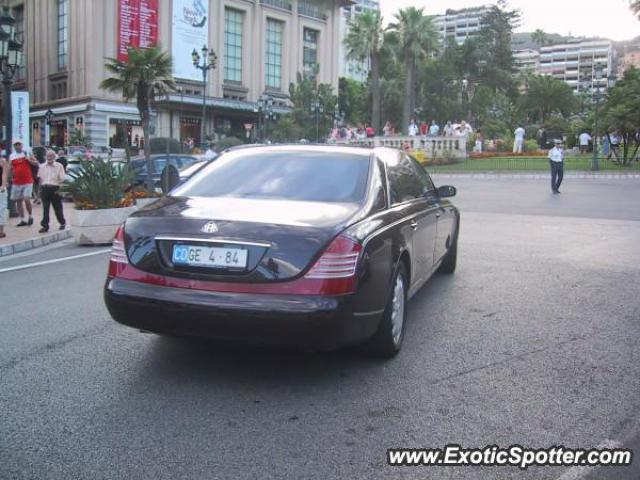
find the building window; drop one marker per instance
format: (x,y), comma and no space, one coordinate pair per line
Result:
(18,13)
(63,33)
(274,53)
(233,24)
(309,51)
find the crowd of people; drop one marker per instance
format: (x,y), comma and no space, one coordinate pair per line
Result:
(415,129)
(32,180)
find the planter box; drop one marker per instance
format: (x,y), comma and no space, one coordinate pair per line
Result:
(143,202)
(96,227)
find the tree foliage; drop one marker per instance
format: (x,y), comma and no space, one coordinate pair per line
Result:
(364,41)
(546,95)
(147,73)
(621,113)
(415,36)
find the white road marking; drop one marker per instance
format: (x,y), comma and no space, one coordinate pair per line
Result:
(55,260)
(576,473)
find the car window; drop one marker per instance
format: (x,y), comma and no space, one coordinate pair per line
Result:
(423,176)
(404,184)
(186,161)
(314,176)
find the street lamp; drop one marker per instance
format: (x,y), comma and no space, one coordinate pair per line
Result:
(206,62)
(265,113)
(47,126)
(10,61)
(317,107)
(597,95)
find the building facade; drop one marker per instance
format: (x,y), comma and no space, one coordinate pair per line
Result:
(577,62)
(261,46)
(630,58)
(460,24)
(349,67)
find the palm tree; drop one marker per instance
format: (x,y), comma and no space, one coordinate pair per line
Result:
(635,7)
(547,94)
(416,35)
(540,37)
(364,41)
(146,74)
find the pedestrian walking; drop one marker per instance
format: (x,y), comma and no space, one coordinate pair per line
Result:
(51,176)
(424,128)
(556,162)
(479,141)
(210,154)
(584,140)
(387,129)
(4,183)
(20,163)
(518,141)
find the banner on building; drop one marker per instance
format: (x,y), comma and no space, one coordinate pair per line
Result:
(20,117)
(137,25)
(189,30)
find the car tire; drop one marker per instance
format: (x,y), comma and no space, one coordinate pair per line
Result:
(448,265)
(387,341)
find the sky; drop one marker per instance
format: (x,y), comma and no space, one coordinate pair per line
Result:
(604,18)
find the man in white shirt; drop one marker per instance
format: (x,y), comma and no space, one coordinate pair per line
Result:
(518,141)
(51,175)
(210,154)
(413,129)
(556,158)
(584,140)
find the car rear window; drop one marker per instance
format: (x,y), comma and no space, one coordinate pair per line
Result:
(292,175)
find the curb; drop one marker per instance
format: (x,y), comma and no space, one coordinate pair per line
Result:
(32,243)
(495,175)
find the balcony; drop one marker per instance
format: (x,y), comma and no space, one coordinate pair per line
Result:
(282,4)
(309,10)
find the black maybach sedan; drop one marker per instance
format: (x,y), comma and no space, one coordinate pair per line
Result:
(314,247)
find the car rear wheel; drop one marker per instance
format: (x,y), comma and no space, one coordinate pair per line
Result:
(387,340)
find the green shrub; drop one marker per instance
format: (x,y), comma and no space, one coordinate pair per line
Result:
(164,145)
(99,184)
(228,142)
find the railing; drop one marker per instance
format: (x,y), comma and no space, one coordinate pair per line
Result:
(283,4)
(429,147)
(310,10)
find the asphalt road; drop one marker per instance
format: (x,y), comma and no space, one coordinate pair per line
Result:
(534,341)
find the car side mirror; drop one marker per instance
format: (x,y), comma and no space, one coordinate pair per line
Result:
(447,191)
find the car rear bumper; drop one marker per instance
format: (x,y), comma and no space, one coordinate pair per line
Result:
(308,322)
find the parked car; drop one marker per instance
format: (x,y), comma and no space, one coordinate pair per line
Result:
(160,161)
(315,247)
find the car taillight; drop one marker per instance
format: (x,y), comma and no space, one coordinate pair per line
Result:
(118,252)
(339,260)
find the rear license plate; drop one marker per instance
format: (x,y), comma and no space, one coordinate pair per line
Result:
(213,257)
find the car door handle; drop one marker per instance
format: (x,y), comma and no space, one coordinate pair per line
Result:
(414,224)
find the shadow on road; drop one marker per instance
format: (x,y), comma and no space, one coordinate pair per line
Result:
(213,361)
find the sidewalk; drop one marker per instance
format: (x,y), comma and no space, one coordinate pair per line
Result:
(20,239)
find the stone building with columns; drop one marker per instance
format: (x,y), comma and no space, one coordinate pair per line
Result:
(261,45)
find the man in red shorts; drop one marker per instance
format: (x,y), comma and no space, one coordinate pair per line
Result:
(22,183)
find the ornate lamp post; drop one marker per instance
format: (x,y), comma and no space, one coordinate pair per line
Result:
(266,112)
(317,107)
(48,117)
(10,61)
(206,62)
